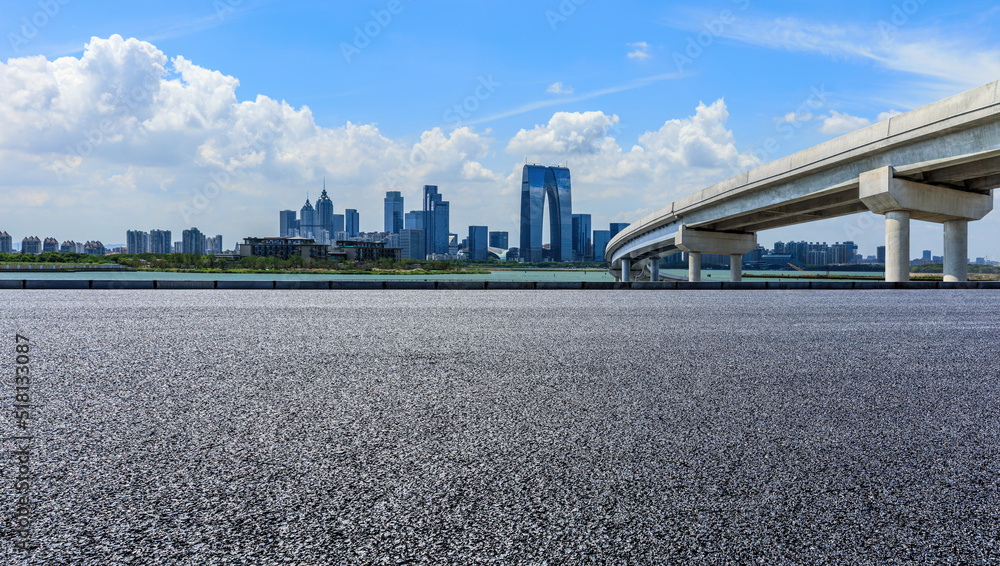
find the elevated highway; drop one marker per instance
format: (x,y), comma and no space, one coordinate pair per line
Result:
(939,163)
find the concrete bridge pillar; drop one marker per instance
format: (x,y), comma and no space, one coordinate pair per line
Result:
(626,270)
(694,266)
(697,242)
(956,250)
(897,245)
(736,267)
(901,200)
(654,269)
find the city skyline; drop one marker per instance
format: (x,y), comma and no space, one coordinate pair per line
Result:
(648,113)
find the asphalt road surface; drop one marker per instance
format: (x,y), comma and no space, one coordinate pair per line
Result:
(537,427)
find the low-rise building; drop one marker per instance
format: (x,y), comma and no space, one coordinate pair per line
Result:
(287,247)
(368,251)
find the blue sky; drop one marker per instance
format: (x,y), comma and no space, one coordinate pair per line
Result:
(219,113)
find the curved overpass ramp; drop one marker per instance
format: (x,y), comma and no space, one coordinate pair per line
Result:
(938,163)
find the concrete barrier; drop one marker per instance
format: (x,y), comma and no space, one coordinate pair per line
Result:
(958,285)
(699,285)
(560,285)
(788,285)
(744,285)
(56,284)
(131,284)
(486,285)
(255,285)
(397,285)
(303,285)
(654,285)
(870,285)
(184,285)
(831,285)
(510,285)
(461,285)
(915,285)
(357,285)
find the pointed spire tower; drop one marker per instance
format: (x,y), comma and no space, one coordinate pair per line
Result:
(324,213)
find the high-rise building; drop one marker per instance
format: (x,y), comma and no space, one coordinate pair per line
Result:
(159,241)
(539,182)
(137,242)
(927,255)
(337,223)
(352,223)
(499,240)
(412,243)
(307,221)
(193,242)
(393,212)
(31,245)
(179,247)
(50,245)
(581,237)
(478,242)
(414,220)
(6,243)
(880,254)
(289,226)
(213,245)
(94,248)
(324,213)
(601,239)
(617,227)
(67,247)
(436,219)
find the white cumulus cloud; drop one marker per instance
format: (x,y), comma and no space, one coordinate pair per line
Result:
(640,50)
(838,123)
(559,88)
(567,133)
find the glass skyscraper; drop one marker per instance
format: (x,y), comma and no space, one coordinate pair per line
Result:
(617,227)
(353,221)
(539,182)
(601,239)
(393,212)
(436,228)
(499,240)
(414,220)
(307,221)
(581,237)
(478,240)
(324,213)
(288,223)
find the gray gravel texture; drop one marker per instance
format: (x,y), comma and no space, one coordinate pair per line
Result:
(560,427)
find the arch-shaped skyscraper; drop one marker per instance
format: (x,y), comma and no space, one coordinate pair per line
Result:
(537,183)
